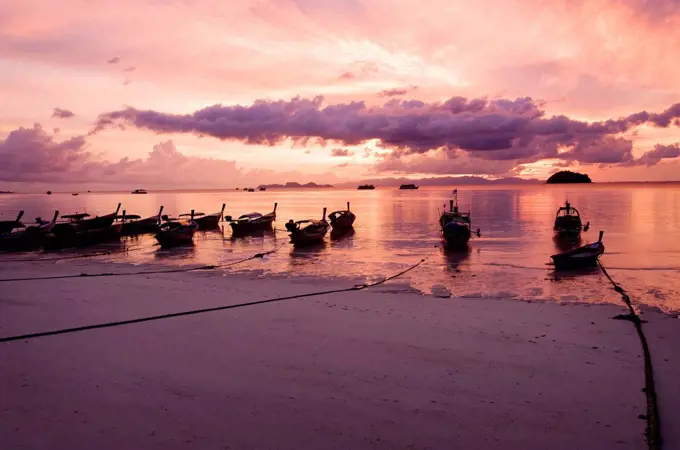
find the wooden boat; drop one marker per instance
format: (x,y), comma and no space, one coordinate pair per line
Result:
(247,223)
(139,191)
(342,219)
(308,232)
(364,187)
(134,224)
(262,188)
(456,226)
(408,186)
(206,222)
(568,223)
(74,193)
(28,238)
(251,190)
(6,226)
(79,231)
(585,256)
(174,233)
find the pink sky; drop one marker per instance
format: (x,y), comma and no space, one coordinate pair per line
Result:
(488,76)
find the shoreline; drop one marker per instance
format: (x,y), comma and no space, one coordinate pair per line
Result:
(384,367)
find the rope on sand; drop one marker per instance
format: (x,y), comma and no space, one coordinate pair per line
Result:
(358,287)
(144,272)
(85,255)
(653,431)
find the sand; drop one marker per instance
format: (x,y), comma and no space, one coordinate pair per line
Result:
(377,369)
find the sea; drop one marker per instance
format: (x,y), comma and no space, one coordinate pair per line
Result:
(395,229)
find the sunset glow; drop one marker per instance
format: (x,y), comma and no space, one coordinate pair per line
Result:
(336,90)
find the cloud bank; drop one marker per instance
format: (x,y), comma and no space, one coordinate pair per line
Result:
(516,130)
(37,156)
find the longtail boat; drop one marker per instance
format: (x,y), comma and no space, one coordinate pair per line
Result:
(308,232)
(28,238)
(456,226)
(568,223)
(206,221)
(174,233)
(253,221)
(7,226)
(79,231)
(82,223)
(585,256)
(134,224)
(342,220)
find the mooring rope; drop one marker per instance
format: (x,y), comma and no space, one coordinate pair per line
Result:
(653,431)
(85,255)
(357,287)
(145,272)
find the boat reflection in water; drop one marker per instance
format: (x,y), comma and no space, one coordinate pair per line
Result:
(454,259)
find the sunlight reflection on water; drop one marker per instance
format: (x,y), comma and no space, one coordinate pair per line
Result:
(394,229)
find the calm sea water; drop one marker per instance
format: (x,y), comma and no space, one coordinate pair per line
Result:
(394,229)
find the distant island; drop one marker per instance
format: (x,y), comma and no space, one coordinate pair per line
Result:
(567,176)
(6,192)
(293,185)
(442,181)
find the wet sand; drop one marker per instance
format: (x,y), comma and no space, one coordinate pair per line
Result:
(377,369)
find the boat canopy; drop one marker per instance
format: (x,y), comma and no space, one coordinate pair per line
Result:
(252,215)
(79,216)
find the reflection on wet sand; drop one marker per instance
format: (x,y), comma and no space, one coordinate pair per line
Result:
(454,258)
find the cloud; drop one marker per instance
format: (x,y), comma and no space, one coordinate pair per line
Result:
(114,60)
(36,156)
(397,91)
(659,152)
(498,129)
(129,69)
(62,113)
(341,152)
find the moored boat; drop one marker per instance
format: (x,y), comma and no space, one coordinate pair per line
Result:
(342,219)
(206,222)
(568,223)
(7,226)
(79,231)
(134,224)
(174,233)
(253,221)
(408,186)
(581,257)
(364,187)
(456,226)
(308,232)
(139,191)
(28,238)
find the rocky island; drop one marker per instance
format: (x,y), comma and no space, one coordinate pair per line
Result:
(567,176)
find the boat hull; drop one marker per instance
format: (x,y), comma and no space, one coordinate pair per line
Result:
(582,257)
(148,225)
(343,222)
(456,235)
(309,236)
(169,239)
(67,235)
(245,227)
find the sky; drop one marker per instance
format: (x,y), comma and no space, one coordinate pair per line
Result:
(161,93)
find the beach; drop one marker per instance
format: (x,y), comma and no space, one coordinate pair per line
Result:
(381,368)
